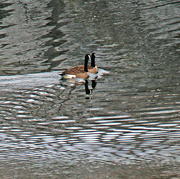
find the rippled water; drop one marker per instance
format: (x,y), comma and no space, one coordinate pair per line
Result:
(50,128)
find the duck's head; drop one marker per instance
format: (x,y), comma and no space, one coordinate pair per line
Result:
(87,57)
(93,55)
(93,59)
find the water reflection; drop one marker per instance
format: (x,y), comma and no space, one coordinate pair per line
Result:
(90,91)
(50,117)
(27,30)
(131,115)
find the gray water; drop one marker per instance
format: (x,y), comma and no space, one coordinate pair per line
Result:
(129,127)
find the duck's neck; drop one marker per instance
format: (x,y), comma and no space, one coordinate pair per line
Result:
(93,61)
(86,64)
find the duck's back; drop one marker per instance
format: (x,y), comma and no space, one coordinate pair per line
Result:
(75,70)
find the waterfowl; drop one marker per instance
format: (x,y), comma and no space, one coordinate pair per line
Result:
(77,71)
(93,68)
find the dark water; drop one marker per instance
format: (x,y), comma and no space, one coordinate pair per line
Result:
(129,127)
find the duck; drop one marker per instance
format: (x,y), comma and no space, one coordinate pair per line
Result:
(93,68)
(77,71)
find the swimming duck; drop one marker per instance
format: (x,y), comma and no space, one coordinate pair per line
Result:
(77,71)
(93,68)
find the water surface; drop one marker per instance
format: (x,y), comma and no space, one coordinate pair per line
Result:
(130,122)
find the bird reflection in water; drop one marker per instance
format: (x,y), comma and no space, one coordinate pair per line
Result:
(73,83)
(89,91)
